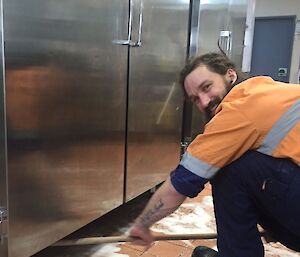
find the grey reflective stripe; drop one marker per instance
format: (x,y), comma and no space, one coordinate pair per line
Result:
(280,129)
(198,167)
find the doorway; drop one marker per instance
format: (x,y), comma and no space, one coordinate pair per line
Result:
(272,47)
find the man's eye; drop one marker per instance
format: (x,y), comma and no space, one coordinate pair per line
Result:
(206,87)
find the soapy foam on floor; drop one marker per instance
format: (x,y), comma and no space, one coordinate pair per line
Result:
(107,250)
(190,218)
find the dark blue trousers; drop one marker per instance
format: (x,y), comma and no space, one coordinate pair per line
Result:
(256,189)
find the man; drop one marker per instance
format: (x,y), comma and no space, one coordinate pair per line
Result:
(249,151)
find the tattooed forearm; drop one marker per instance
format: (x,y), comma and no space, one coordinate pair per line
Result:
(165,201)
(146,219)
(156,213)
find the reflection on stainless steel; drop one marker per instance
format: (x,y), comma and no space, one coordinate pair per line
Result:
(3,169)
(213,19)
(128,40)
(166,104)
(65,99)
(141,15)
(225,42)
(237,24)
(153,148)
(248,39)
(194,31)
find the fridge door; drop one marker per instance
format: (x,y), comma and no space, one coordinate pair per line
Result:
(223,21)
(213,22)
(237,25)
(155,98)
(65,99)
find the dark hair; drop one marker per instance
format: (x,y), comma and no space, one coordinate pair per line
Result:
(215,62)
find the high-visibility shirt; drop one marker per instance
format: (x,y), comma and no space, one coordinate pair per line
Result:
(258,114)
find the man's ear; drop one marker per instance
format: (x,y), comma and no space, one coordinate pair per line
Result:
(231,76)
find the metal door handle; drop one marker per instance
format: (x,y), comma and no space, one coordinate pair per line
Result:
(225,41)
(138,43)
(128,41)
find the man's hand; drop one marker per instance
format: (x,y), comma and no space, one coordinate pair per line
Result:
(142,236)
(164,201)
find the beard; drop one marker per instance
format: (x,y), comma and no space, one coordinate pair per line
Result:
(209,111)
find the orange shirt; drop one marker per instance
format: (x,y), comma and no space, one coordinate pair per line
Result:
(258,114)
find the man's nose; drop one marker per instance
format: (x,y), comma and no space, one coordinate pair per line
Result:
(204,101)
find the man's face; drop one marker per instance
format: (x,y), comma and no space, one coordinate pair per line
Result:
(206,89)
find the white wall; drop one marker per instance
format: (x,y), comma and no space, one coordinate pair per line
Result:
(266,8)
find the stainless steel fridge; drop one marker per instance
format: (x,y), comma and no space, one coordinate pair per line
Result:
(90,109)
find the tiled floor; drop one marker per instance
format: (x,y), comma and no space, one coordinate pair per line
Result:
(194,216)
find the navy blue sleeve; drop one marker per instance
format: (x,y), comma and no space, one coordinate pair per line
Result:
(186,182)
